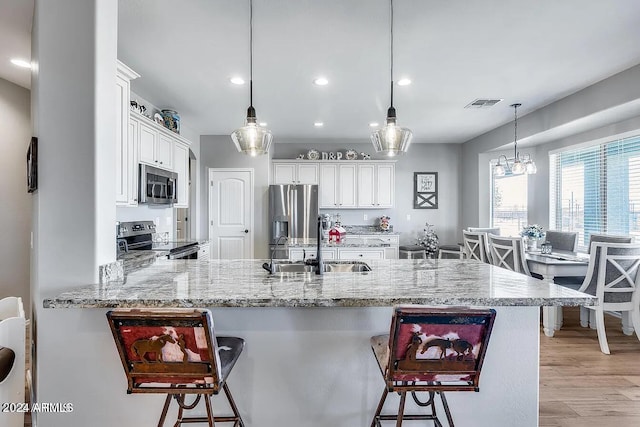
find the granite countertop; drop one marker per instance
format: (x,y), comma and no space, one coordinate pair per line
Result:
(243,283)
(369,229)
(348,243)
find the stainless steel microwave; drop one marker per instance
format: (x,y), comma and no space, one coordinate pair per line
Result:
(157,186)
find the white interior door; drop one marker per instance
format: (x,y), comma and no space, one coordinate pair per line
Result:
(231,213)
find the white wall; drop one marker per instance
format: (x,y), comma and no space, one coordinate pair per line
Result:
(73,99)
(608,107)
(441,158)
(15,213)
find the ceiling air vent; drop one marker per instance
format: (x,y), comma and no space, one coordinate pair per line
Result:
(483,103)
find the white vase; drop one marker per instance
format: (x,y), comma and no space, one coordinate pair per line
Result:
(532,244)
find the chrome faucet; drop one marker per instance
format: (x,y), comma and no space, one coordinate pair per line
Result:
(269,267)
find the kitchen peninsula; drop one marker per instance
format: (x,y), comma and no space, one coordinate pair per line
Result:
(307,360)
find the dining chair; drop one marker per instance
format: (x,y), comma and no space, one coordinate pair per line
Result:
(176,352)
(612,277)
(475,245)
(607,238)
(431,350)
(486,230)
(562,240)
(491,230)
(508,252)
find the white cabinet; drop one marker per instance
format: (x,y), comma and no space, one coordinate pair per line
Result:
(205,251)
(156,148)
(342,184)
(376,185)
(338,185)
(299,254)
(181,167)
(147,141)
(295,173)
(132,168)
(125,159)
(361,253)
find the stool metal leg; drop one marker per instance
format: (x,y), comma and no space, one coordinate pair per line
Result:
(376,417)
(234,408)
(163,416)
(403,398)
(446,409)
(207,403)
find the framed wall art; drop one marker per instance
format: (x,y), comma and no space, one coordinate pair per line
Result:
(425,190)
(32,165)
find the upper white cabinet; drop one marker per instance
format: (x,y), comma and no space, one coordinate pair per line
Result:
(125,157)
(156,148)
(376,183)
(140,140)
(338,185)
(295,173)
(181,167)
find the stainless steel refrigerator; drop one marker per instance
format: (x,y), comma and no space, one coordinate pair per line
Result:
(293,212)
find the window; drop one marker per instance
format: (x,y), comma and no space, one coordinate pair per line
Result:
(509,203)
(596,189)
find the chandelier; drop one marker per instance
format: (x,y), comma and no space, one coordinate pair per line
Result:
(252,139)
(391,139)
(517,165)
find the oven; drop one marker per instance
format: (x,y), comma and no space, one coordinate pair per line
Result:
(139,235)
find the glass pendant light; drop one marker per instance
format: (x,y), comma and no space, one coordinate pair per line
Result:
(517,165)
(252,139)
(391,140)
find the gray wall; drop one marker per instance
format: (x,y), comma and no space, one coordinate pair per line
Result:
(606,108)
(218,151)
(441,158)
(15,214)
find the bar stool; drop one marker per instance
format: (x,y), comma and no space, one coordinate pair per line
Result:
(451,251)
(431,350)
(175,352)
(412,251)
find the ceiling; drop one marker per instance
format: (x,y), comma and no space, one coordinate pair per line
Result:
(453,51)
(15,32)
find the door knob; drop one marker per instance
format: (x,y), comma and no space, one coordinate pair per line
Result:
(246,231)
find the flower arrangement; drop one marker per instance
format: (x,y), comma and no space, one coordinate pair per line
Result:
(429,240)
(534,231)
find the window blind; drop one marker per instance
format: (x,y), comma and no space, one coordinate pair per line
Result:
(596,189)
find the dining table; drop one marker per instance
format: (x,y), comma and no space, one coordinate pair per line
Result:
(550,266)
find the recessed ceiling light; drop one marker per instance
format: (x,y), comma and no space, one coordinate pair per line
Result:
(263,124)
(321,81)
(237,80)
(374,124)
(404,82)
(318,124)
(21,63)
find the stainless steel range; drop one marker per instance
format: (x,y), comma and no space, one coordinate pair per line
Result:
(138,235)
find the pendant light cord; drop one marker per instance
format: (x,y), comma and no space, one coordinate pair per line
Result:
(251,53)
(515,130)
(391,3)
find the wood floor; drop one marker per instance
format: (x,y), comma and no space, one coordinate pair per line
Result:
(580,386)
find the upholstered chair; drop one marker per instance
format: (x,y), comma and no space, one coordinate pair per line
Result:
(508,252)
(613,277)
(475,245)
(562,240)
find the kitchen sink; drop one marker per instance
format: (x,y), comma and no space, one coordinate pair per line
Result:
(329,267)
